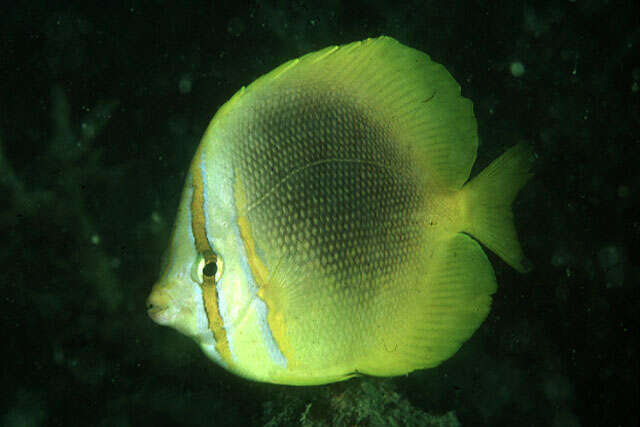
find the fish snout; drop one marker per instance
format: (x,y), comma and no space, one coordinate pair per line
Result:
(160,308)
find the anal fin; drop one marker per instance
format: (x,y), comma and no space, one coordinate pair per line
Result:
(449,304)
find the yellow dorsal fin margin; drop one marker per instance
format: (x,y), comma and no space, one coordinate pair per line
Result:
(416,98)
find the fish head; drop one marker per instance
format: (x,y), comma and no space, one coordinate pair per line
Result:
(176,297)
(206,290)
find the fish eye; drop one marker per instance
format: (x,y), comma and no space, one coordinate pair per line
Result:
(207,268)
(210,269)
(216,268)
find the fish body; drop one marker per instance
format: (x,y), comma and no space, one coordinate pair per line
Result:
(328,226)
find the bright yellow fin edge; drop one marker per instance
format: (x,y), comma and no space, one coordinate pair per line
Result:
(416,98)
(449,303)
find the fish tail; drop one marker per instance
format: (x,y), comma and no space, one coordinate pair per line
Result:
(486,204)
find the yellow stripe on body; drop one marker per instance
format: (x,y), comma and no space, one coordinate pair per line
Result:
(264,279)
(209,291)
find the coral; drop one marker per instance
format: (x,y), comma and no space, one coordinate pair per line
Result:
(362,402)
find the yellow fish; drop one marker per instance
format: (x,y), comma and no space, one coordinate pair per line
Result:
(327,228)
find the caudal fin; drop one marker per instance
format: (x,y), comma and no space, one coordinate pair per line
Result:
(486,202)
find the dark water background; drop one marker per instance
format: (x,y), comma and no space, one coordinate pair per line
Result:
(103,104)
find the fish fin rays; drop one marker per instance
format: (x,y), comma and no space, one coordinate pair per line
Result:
(486,204)
(417,99)
(453,300)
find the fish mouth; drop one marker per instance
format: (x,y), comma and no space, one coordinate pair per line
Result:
(173,304)
(159,308)
(158,314)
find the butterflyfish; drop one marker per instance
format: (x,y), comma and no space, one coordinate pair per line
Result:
(328,227)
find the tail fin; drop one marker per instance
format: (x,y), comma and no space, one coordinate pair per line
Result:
(486,201)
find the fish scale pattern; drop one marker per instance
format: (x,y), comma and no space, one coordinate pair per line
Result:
(325,186)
